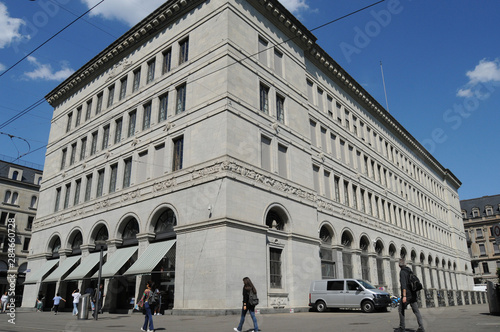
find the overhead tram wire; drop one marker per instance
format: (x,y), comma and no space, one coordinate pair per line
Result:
(195,79)
(52,37)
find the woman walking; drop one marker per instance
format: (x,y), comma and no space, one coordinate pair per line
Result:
(144,304)
(248,289)
(57,300)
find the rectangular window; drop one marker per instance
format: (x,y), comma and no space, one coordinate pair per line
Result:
(486,269)
(265,153)
(146,116)
(316,178)
(278,63)
(347,264)
(158,160)
(347,121)
(162,111)
(98,108)
(151,71)
(66,195)
(324,145)
(127,174)
(355,197)
(118,130)
(105,138)
(181,99)
(112,180)
(93,147)
(263,51)
(320,100)
(312,128)
(183,50)
(482,249)
(123,88)
(111,95)
(88,187)
(70,120)
(342,151)
(88,110)
(29,226)
(178,153)
(479,233)
(264,99)
(58,199)
(131,123)
(167,59)
(26,243)
(328,268)
(78,116)
(100,182)
(142,167)
(326,178)
(83,148)
(339,108)
(78,187)
(282,164)
(73,154)
(137,80)
(310,91)
(346,193)
(336,182)
(275,267)
(362,200)
(63,158)
(496,248)
(280,109)
(333,140)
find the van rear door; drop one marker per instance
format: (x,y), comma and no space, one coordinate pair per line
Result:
(335,293)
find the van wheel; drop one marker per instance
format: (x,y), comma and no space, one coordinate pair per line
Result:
(367,306)
(320,306)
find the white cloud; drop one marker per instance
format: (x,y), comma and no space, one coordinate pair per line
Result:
(132,11)
(9,27)
(45,71)
(295,6)
(128,11)
(485,72)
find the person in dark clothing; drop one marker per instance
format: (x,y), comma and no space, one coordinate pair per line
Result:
(407,297)
(247,288)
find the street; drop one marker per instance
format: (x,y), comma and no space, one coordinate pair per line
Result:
(462,318)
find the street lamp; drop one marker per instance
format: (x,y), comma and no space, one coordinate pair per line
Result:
(99,244)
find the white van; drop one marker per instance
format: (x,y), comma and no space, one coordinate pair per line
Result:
(347,293)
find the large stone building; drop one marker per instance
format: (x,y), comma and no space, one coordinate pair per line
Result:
(19,186)
(217,140)
(480,215)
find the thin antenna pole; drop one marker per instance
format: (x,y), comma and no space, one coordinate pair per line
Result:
(383,81)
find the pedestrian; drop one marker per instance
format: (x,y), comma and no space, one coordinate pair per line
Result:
(5,300)
(407,297)
(97,300)
(76,298)
(158,305)
(57,299)
(146,309)
(39,302)
(248,288)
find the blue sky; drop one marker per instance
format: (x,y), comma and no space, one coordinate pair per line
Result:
(441,63)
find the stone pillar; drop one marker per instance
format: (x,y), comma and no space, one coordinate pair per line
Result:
(388,275)
(356,263)
(143,239)
(372,261)
(109,300)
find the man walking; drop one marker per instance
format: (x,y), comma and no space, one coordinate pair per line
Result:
(407,297)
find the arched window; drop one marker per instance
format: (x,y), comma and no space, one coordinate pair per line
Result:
(326,254)
(54,248)
(15,174)
(33,202)
(7,196)
(364,245)
(76,243)
(346,240)
(164,227)
(276,219)
(379,247)
(129,234)
(15,195)
(102,234)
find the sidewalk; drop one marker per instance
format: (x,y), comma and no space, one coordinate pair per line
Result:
(457,319)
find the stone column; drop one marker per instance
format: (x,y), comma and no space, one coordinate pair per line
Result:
(143,239)
(109,300)
(388,275)
(356,263)
(372,262)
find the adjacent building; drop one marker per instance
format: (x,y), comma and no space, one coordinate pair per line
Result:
(480,215)
(217,140)
(19,187)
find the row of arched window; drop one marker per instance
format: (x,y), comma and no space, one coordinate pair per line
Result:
(13,198)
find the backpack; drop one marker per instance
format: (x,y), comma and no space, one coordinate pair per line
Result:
(253,300)
(415,284)
(153,298)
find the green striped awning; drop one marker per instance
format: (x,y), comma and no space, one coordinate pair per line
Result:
(115,262)
(150,258)
(63,268)
(87,264)
(37,275)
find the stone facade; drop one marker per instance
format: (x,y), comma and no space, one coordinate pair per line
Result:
(231,131)
(480,215)
(19,186)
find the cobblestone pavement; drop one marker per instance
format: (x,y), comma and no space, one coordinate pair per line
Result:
(474,318)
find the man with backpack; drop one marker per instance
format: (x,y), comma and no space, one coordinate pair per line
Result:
(409,289)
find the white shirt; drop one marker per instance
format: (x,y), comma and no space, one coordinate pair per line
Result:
(5,298)
(76,297)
